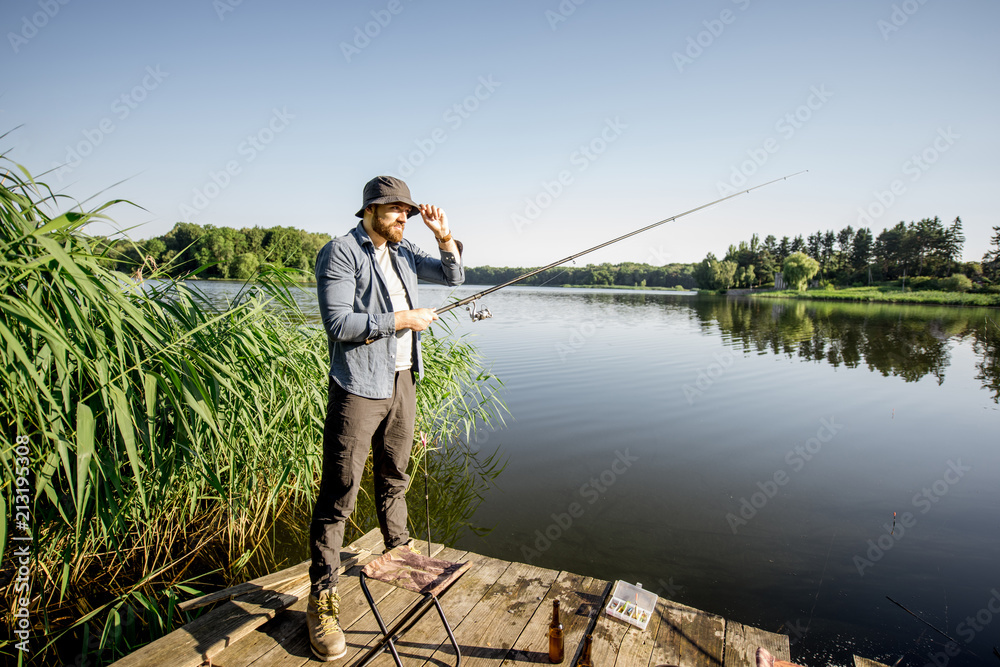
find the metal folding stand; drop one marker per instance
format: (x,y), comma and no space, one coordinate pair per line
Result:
(428,577)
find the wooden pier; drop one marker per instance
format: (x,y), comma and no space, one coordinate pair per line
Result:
(499,611)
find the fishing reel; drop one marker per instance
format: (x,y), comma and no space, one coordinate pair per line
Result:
(478,315)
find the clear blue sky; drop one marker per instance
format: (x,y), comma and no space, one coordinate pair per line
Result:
(672,99)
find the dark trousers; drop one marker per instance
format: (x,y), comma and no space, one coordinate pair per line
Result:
(353,426)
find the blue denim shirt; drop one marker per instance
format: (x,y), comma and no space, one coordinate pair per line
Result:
(355,306)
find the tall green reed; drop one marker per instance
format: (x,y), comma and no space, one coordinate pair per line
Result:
(166,433)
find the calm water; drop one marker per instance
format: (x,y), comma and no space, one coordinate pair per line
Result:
(747,458)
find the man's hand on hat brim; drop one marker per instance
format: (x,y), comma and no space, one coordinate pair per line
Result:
(435,219)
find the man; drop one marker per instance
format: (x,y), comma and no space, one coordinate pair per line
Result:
(367,287)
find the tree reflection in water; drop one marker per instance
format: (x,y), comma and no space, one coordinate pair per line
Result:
(910,342)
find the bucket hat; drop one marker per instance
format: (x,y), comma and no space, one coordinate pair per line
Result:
(386,190)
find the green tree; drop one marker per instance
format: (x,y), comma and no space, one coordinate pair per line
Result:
(602,276)
(798,269)
(706,272)
(767,268)
(861,248)
(845,238)
(958,282)
(255,239)
(244,266)
(954,239)
(829,239)
(991,260)
(726,274)
(815,245)
(220,245)
(784,249)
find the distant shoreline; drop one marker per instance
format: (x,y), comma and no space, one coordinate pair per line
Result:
(626,287)
(619,287)
(844,295)
(875,295)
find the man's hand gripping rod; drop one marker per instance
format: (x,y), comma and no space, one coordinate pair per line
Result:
(477,315)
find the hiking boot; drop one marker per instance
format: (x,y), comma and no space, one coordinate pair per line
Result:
(325,636)
(410,544)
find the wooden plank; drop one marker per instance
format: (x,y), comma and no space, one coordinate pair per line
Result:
(608,635)
(268,638)
(293,649)
(348,558)
(742,642)
(580,601)
(687,637)
(500,612)
(865,662)
(210,634)
(489,630)
(637,645)
(427,636)
(284,639)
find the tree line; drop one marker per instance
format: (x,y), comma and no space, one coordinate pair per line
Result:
(626,274)
(229,253)
(927,248)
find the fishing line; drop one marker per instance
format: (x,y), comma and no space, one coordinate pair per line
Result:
(427,495)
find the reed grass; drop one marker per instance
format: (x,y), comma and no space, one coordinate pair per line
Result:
(167,434)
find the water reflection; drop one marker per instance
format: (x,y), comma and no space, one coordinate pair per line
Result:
(988,368)
(909,342)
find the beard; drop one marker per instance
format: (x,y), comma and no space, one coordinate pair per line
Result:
(385,227)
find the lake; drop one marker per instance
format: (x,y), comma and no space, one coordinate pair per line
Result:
(784,464)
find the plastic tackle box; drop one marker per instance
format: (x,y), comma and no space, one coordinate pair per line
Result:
(631,604)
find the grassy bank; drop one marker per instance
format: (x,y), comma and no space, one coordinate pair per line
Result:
(153,438)
(887,295)
(633,287)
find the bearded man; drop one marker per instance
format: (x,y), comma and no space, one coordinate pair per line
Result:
(367,288)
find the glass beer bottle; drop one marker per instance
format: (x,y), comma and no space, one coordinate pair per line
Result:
(555,635)
(585,660)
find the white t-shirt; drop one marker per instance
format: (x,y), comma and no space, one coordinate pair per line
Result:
(397,294)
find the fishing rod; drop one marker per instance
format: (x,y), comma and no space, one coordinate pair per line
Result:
(483,314)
